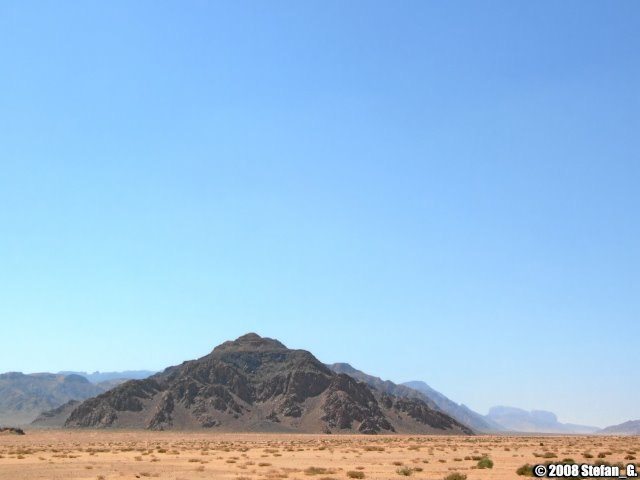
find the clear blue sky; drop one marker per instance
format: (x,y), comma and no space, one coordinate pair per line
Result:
(438,191)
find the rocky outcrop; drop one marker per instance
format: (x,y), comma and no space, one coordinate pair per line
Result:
(350,401)
(11,431)
(256,384)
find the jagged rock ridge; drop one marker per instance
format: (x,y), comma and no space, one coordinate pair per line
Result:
(420,390)
(460,412)
(258,384)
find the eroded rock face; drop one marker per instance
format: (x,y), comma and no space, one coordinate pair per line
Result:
(249,384)
(162,418)
(419,411)
(350,401)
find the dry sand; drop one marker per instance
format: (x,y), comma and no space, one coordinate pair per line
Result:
(64,454)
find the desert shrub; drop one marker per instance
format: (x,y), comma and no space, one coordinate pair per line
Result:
(316,471)
(406,471)
(525,470)
(355,474)
(456,476)
(587,455)
(485,462)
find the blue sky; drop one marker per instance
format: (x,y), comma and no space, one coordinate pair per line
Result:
(437,191)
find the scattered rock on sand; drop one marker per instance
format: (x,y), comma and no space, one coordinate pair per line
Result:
(11,431)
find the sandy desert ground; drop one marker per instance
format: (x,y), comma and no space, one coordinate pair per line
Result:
(64,454)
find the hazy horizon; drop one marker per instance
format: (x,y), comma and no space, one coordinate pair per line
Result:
(435,191)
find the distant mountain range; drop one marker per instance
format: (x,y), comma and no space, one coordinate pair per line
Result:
(100,377)
(257,384)
(535,421)
(24,397)
(631,427)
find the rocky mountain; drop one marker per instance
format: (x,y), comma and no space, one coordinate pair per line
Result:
(631,427)
(24,397)
(460,412)
(258,384)
(385,386)
(535,421)
(422,391)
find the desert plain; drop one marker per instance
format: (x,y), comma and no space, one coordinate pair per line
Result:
(107,455)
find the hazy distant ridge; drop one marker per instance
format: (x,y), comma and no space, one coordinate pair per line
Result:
(24,397)
(535,421)
(632,427)
(98,377)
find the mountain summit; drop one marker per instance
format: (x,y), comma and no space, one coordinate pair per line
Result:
(257,384)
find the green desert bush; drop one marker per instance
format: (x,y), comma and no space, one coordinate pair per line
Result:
(456,476)
(525,470)
(406,471)
(316,471)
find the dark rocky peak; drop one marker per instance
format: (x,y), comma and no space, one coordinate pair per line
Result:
(253,355)
(250,342)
